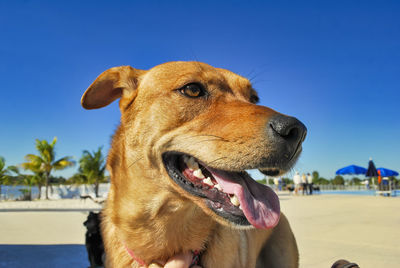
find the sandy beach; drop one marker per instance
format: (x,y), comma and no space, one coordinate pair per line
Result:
(363,229)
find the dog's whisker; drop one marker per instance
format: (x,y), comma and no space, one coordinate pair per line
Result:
(210,135)
(255,74)
(197,142)
(215,160)
(252,71)
(200,68)
(193,140)
(134,162)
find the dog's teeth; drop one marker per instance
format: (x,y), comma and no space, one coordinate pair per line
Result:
(185,159)
(208,181)
(235,201)
(190,162)
(218,187)
(198,173)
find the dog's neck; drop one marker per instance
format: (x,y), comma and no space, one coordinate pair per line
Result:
(155,225)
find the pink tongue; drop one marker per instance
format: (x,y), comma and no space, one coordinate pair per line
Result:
(259,203)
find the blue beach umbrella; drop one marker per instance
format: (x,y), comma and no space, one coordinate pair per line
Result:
(351,170)
(387,172)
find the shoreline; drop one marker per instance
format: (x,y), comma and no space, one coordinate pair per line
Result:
(50,205)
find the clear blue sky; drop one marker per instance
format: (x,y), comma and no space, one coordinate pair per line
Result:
(335,65)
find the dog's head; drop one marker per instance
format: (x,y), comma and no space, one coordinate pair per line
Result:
(197,129)
(92,223)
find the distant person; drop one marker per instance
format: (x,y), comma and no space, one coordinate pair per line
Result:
(392,184)
(296,181)
(367,184)
(276,183)
(310,183)
(379,180)
(280,182)
(385,184)
(304,183)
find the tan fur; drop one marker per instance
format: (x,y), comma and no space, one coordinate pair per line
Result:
(146,211)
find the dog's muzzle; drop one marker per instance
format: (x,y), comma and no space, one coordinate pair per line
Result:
(287,131)
(286,135)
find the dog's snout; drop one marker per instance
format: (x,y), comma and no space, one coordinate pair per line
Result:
(288,128)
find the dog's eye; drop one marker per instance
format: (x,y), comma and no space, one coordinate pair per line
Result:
(193,90)
(254,99)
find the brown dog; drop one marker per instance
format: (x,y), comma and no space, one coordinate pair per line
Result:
(178,183)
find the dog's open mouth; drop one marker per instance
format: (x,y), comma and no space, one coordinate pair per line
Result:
(234,196)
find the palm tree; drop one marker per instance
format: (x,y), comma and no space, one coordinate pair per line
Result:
(5,177)
(77,178)
(92,168)
(26,180)
(29,180)
(38,175)
(45,162)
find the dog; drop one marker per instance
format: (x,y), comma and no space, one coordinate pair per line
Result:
(84,197)
(316,189)
(93,240)
(177,162)
(97,200)
(344,264)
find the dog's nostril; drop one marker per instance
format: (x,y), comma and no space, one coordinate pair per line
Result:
(289,128)
(293,133)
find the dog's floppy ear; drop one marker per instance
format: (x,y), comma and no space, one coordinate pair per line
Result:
(118,82)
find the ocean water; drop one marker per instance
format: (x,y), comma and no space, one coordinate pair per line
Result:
(70,191)
(13,192)
(55,192)
(360,192)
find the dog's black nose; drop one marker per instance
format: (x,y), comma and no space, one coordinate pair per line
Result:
(288,128)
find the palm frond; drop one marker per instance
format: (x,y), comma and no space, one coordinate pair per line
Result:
(33,158)
(46,150)
(92,165)
(33,163)
(53,143)
(2,163)
(14,169)
(63,163)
